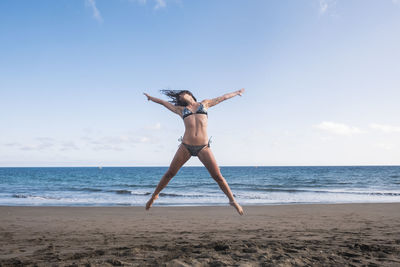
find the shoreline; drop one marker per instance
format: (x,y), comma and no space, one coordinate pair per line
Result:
(166,166)
(362,234)
(198,205)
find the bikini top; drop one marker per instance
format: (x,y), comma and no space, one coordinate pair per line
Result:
(186,112)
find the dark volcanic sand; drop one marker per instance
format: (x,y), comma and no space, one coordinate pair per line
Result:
(285,235)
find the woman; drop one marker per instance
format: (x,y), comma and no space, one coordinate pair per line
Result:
(194,141)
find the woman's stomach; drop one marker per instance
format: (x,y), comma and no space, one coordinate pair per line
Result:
(195,137)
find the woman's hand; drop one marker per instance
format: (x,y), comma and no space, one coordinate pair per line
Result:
(241,91)
(148,96)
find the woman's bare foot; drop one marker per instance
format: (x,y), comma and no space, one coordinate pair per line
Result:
(150,202)
(237,207)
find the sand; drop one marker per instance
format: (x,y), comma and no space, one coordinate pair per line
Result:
(282,235)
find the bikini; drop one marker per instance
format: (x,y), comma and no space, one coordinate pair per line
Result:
(194,150)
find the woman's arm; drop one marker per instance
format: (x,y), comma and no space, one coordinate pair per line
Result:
(212,102)
(166,104)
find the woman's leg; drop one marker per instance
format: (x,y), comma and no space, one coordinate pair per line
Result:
(207,158)
(181,156)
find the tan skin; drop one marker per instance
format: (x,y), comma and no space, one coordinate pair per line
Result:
(195,134)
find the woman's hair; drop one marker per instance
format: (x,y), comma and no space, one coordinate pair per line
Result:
(174,95)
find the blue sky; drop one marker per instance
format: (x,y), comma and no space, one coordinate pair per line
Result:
(322,80)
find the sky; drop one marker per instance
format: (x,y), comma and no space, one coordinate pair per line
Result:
(321,79)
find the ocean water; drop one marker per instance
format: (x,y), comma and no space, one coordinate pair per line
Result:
(193,186)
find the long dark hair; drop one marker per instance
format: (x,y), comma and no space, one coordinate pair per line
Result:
(174,95)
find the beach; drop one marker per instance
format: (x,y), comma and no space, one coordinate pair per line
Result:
(266,235)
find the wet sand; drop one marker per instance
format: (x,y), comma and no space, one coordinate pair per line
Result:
(284,235)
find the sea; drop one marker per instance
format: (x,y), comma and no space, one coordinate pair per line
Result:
(193,186)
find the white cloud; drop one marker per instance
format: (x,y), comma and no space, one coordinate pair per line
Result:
(142,2)
(385,146)
(119,142)
(160,4)
(113,142)
(325,138)
(156,126)
(40,143)
(11,144)
(385,128)
(40,146)
(338,128)
(144,139)
(96,12)
(69,145)
(325,6)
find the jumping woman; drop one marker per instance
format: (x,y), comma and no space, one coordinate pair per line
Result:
(194,141)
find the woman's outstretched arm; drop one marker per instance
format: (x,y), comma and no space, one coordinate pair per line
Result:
(166,104)
(212,102)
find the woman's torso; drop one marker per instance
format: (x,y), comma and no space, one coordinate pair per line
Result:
(195,125)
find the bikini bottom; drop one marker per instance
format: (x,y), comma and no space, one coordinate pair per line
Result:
(194,150)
